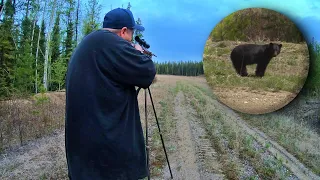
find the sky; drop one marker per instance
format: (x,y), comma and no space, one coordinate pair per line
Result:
(177,30)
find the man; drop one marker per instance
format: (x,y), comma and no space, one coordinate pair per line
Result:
(104,137)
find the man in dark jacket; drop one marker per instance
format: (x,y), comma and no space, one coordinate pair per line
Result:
(104,137)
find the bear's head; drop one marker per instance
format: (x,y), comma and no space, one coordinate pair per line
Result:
(274,49)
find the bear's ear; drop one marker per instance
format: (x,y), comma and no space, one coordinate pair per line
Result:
(280,45)
(271,44)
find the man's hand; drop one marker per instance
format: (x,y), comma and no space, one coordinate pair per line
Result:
(138,47)
(144,51)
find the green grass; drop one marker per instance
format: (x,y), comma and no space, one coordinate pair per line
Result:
(281,74)
(164,116)
(287,71)
(226,135)
(313,82)
(299,140)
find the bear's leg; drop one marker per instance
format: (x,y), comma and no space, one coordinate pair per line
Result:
(237,69)
(260,70)
(241,71)
(239,66)
(236,66)
(244,71)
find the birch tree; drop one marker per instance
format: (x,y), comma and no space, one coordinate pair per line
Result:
(46,62)
(2,6)
(77,23)
(40,37)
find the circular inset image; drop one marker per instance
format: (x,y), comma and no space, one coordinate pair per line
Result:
(256,60)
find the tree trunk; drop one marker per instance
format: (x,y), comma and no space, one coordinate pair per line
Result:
(77,21)
(38,44)
(2,6)
(27,12)
(31,43)
(45,74)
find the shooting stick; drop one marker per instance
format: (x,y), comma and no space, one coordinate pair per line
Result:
(164,148)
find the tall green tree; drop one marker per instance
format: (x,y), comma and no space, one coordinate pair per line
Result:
(24,75)
(56,39)
(7,50)
(25,35)
(68,42)
(59,69)
(139,22)
(91,22)
(137,32)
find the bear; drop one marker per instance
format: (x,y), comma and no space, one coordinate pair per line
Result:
(248,54)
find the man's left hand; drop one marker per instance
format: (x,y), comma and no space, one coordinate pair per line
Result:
(138,47)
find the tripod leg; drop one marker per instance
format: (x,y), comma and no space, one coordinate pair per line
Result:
(164,148)
(145,106)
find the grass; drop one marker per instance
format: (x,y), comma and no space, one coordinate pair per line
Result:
(28,119)
(288,71)
(226,137)
(223,133)
(156,144)
(164,111)
(297,138)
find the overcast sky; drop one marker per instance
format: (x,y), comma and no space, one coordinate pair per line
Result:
(178,29)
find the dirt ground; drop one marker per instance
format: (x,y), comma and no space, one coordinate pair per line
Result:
(193,156)
(253,101)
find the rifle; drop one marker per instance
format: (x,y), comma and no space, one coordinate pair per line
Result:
(145,46)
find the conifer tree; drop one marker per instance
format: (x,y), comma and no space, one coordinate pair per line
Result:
(91,22)
(7,50)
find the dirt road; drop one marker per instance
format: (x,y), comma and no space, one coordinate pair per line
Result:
(253,101)
(195,157)
(196,138)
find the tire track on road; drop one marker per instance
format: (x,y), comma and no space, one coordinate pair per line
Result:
(292,163)
(195,158)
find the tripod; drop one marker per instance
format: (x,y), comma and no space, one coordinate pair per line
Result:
(164,148)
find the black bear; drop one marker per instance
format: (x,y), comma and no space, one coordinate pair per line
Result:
(247,54)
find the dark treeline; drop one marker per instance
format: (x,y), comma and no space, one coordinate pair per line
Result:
(313,81)
(37,38)
(257,24)
(187,68)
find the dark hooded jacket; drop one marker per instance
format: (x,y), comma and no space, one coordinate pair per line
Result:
(104,138)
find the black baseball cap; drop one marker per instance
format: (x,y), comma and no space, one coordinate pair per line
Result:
(119,18)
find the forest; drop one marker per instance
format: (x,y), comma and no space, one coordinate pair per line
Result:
(257,24)
(182,68)
(38,38)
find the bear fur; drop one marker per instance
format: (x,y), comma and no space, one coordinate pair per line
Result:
(248,54)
